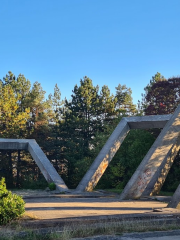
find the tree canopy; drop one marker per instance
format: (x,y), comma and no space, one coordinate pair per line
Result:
(72,132)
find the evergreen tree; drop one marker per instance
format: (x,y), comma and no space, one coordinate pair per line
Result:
(88,114)
(124,104)
(77,128)
(107,104)
(22,111)
(54,142)
(12,121)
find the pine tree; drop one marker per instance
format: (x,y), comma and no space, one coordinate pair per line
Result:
(124,103)
(107,104)
(77,128)
(24,114)
(12,121)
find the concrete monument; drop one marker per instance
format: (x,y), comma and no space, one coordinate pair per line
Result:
(149,176)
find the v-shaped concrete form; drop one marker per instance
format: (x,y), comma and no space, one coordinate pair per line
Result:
(100,164)
(39,157)
(151,173)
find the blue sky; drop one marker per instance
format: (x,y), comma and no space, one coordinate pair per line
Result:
(110,41)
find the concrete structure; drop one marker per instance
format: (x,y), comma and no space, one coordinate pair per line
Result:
(152,171)
(149,176)
(100,164)
(39,157)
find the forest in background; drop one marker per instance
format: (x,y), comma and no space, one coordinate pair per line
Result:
(72,132)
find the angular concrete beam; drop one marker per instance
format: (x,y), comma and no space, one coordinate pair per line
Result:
(39,157)
(13,144)
(103,159)
(150,168)
(148,122)
(45,166)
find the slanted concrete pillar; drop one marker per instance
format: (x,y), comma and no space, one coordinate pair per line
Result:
(45,166)
(150,167)
(39,157)
(156,183)
(101,162)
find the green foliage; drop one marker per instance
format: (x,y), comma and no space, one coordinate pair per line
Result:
(87,116)
(124,103)
(12,121)
(127,159)
(33,181)
(52,186)
(71,133)
(3,190)
(173,178)
(11,205)
(23,114)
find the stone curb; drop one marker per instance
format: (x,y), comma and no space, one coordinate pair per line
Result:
(133,235)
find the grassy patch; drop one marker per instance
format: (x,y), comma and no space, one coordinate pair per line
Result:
(162,193)
(85,230)
(114,190)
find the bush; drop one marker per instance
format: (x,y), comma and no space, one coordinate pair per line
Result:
(29,182)
(52,186)
(11,205)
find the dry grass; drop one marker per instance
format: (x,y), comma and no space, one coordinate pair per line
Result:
(30,216)
(111,227)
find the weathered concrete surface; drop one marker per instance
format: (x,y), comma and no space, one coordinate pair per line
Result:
(103,159)
(147,122)
(13,144)
(45,166)
(150,167)
(60,212)
(155,235)
(156,183)
(39,157)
